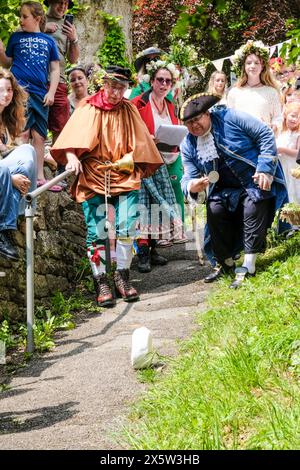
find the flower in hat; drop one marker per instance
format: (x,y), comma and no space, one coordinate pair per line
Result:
(153,66)
(251,47)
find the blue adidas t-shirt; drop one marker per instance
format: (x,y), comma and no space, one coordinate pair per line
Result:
(31,54)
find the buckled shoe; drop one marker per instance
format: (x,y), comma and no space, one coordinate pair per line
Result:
(123,286)
(218,272)
(241,274)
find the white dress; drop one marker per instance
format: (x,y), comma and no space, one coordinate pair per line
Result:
(289,139)
(261,102)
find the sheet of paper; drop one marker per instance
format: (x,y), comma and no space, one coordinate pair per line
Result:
(171,134)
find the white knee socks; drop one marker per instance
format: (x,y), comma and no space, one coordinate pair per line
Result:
(124,253)
(249,262)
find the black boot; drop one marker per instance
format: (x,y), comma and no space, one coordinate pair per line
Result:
(156,259)
(104,296)
(8,247)
(144,265)
(123,286)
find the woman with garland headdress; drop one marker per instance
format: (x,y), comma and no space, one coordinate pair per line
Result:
(142,59)
(164,186)
(256,91)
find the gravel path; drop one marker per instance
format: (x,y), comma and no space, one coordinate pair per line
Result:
(77,396)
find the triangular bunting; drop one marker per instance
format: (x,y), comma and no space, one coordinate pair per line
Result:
(279,47)
(272,49)
(218,64)
(202,69)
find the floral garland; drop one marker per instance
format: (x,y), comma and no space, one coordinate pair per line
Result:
(154,65)
(251,47)
(276,64)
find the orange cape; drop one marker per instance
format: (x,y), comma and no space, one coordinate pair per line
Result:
(96,136)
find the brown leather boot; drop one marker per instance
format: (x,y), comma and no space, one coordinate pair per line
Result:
(104,296)
(128,293)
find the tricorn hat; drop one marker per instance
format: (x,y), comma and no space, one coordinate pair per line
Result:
(119,74)
(144,56)
(198,104)
(71,4)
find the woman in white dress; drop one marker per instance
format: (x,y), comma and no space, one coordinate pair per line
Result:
(256,91)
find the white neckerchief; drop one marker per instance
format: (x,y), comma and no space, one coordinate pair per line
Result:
(206,148)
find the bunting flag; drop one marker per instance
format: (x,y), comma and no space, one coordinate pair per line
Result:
(218,64)
(202,69)
(272,49)
(279,47)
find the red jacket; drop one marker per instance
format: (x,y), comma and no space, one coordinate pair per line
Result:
(142,102)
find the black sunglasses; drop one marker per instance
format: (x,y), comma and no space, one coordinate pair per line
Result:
(167,81)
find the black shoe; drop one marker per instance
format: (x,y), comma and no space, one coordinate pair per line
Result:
(144,265)
(8,248)
(240,275)
(156,259)
(218,272)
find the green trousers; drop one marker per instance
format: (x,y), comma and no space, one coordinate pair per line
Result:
(175,171)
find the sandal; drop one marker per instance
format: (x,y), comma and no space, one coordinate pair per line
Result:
(55,188)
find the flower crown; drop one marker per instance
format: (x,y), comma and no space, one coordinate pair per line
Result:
(276,63)
(251,47)
(154,65)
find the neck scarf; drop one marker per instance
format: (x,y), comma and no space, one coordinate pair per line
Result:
(99,101)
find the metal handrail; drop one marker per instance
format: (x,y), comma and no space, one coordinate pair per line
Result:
(29,214)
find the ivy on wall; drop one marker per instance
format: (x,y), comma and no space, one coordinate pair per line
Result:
(113,49)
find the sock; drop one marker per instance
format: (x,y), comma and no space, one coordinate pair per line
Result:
(249,262)
(124,253)
(96,256)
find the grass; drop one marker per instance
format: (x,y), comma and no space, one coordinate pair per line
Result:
(235,384)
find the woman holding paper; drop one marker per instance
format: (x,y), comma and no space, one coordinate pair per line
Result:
(163,187)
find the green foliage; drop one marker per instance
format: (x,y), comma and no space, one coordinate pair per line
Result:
(9,15)
(181,52)
(7,335)
(292,49)
(113,49)
(236,382)
(9,19)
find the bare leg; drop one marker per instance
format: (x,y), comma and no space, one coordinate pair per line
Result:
(38,143)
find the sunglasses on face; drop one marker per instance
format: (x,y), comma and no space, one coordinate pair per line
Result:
(167,81)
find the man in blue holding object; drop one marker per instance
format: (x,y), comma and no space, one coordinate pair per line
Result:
(233,156)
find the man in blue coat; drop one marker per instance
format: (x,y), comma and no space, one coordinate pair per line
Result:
(232,155)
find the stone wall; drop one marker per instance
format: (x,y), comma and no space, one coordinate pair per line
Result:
(90,27)
(59,246)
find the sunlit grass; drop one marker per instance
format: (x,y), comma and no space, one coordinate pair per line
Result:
(236,382)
